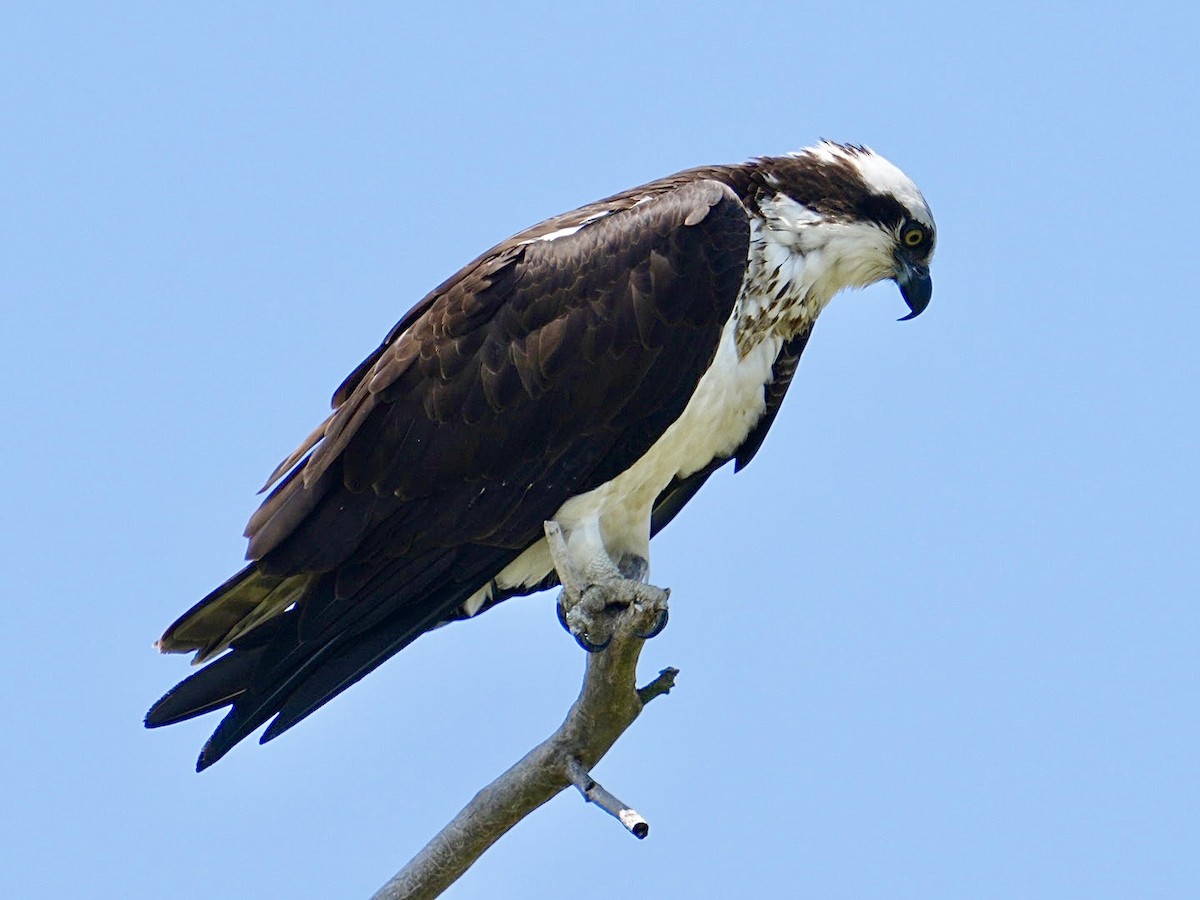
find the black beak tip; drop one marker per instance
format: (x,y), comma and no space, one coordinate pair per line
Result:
(916,287)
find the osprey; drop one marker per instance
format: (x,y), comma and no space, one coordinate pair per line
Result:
(592,371)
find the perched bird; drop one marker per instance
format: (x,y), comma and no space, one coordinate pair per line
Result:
(591,371)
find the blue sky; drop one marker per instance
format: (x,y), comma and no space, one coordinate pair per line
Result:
(939,640)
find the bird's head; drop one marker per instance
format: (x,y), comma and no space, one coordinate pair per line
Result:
(855,218)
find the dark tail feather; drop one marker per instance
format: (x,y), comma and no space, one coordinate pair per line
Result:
(218,684)
(299,657)
(346,667)
(236,608)
(271,671)
(307,677)
(257,704)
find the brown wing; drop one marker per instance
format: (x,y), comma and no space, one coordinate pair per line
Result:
(540,371)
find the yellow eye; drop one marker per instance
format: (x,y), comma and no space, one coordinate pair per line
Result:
(914,236)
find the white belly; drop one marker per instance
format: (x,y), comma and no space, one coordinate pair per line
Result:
(614,519)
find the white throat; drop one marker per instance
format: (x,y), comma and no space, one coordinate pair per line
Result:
(798,262)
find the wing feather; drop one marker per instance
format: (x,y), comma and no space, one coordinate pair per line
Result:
(538,372)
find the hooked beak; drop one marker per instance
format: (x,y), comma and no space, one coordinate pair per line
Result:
(916,287)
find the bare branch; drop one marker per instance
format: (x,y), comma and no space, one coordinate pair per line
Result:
(608,703)
(659,686)
(594,792)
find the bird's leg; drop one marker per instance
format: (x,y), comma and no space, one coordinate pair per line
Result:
(592,599)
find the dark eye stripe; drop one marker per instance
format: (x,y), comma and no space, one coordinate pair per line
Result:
(882,208)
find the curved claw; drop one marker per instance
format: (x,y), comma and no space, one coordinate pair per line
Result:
(580,636)
(588,645)
(657,628)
